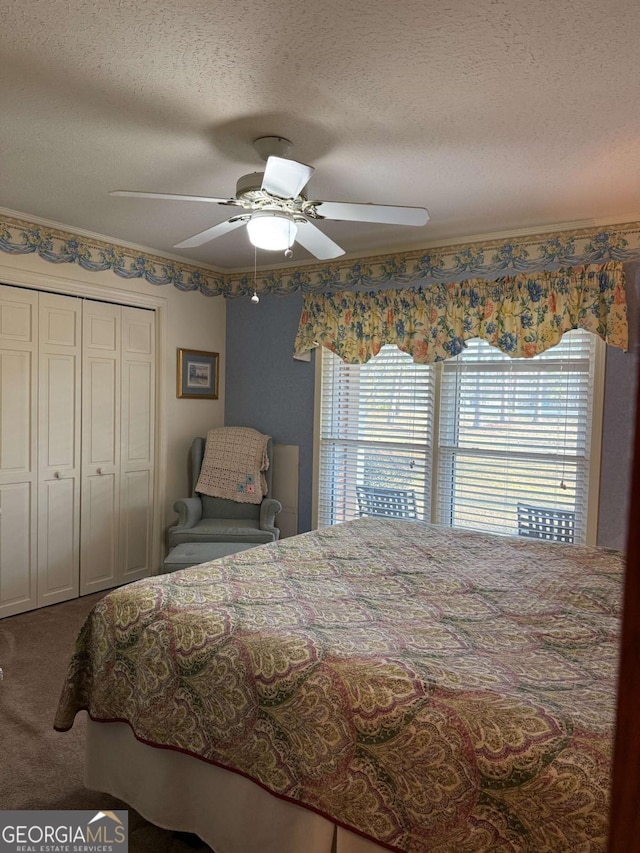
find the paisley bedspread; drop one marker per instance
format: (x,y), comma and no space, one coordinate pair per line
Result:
(433,690)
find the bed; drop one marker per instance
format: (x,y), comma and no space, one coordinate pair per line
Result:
(377,685)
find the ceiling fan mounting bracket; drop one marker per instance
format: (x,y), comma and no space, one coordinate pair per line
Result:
(272,146)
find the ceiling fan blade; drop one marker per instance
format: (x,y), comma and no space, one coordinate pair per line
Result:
(382,213)
(211,233)
(170,196)
(314,241)
(285,178)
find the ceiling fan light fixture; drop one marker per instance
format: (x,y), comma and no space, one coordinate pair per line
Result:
(276,213)
(273,230)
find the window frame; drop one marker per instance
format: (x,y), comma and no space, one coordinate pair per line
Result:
(595,449)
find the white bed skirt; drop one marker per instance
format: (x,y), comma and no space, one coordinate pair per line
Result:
(228,812)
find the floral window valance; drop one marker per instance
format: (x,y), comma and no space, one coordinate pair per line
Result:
(522,315)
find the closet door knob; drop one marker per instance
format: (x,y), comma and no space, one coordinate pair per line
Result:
(57,475)
(100,471)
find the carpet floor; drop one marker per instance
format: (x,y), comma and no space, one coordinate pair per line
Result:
(39,767)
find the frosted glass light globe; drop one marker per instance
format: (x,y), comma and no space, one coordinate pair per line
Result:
(272,230)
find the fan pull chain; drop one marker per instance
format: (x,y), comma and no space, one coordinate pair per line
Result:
(255,298)
(288,253)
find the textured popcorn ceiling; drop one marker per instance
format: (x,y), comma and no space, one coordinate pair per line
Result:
(496,115)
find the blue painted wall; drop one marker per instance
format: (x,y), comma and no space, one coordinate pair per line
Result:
(265,388)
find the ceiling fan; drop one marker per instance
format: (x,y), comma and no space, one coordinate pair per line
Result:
(277,213)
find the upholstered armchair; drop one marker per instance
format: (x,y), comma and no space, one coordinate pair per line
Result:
(205,519)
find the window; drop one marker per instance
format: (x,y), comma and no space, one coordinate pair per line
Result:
(376,430)
(479,441)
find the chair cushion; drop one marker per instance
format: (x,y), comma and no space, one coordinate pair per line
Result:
(223,530)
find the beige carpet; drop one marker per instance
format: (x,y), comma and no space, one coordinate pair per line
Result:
(41,768)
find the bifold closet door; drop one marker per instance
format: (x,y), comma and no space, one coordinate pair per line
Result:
(60,353)
(77,427)
(137,443)
(118,428)
(18,450)
(100,495)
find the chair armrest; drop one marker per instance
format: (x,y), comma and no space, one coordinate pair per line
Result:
(269,508)
(189,513)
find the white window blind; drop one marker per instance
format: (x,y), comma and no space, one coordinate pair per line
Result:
(513,439)
(375,433)
(515,432)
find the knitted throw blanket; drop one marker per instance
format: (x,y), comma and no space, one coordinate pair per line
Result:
(235,459)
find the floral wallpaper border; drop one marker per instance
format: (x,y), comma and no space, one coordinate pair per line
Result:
(443,264)
(20,237)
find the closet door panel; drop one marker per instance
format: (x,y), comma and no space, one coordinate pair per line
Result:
(59,448)
(138,429)
(60,320)
(137,501)
(59,396)
(16,432)
(99,532)
(102,327)
(58,530)
(101,410)
(18,312)
(100,504)
(138,413)
(17,549)
(18,450)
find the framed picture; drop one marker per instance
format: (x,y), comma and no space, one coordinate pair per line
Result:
(197,374)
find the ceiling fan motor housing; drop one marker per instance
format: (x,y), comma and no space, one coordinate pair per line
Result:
(249,185)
